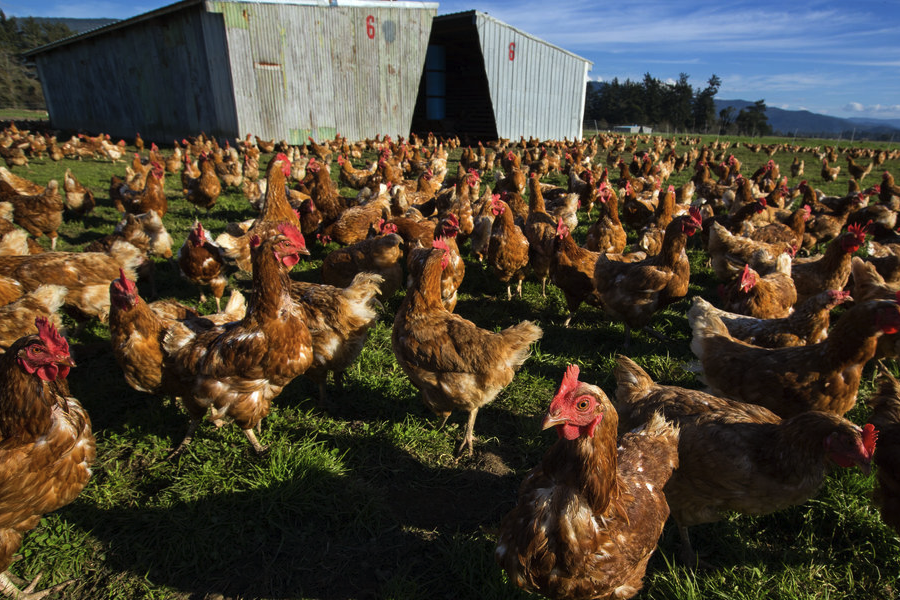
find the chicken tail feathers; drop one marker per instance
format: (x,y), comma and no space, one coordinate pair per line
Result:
(632,382)
(51,296)
(364,288)
(520,337)
(14,243)
(236,309)
(128,256)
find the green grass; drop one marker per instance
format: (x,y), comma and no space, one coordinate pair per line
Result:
(363,498)
(23,114)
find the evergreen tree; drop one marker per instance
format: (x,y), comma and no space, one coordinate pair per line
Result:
(753,121)
(705,106)
(19,87)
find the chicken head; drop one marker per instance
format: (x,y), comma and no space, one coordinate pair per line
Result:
(847,449)
(47,355)
(577,408)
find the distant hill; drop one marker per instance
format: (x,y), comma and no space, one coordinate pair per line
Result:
(806,123)
(76,25)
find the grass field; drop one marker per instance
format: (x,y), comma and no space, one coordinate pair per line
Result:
(363,497)
(7,114)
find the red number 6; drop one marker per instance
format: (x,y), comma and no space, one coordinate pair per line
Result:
(370,27)
(512,51)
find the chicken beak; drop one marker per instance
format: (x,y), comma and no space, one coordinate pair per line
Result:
(66,361)
(551,420)
(865,466)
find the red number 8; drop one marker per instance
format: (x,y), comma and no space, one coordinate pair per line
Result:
(370,27)
(512,51)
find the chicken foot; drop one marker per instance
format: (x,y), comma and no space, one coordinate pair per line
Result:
(8,588)
(469,437)
(251,436)
(192,428)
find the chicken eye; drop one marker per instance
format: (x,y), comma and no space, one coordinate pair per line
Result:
(583,403)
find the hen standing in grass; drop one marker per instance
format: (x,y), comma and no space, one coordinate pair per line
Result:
(235,242)
(203,191)
(237,369)
(789,381)
(338,320)
(590,515)
(46,443)
(453,362)
(738,457)
(508,248)
(633,292)
(202,262)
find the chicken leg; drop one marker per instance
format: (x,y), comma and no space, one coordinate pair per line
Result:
(469,437)
(192,428)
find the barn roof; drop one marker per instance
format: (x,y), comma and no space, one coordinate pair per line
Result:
(210,4)
(470,15)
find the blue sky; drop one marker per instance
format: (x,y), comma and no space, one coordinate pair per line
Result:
(832,57)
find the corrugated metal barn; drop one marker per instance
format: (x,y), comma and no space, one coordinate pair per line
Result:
(282,69)
(486,79)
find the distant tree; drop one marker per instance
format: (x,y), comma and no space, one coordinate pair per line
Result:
(704,107)
(726,119)
(753,121)
(678,98)
(19,87)
(653,102)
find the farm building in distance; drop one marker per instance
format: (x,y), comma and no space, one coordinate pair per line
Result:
(632,129)
(488,80)
(282,69)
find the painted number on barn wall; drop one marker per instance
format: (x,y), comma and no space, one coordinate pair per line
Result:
(512,51)
(370,27)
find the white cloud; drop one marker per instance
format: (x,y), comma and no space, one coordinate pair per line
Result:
(874,110)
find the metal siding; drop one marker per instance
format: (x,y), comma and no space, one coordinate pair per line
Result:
(280,69)
(540,93)
(335,78)
(151,78)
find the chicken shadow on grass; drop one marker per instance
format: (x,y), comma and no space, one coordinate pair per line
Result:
(388,523)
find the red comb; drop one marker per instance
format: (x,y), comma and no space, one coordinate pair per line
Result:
(293,234)
(569,381)
(440,243)
(859,230)
(255,240)
(695,214)
(50,336)
(126,283)
(869,437)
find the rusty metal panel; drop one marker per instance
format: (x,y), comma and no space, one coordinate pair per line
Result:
(311,68)
(537,89)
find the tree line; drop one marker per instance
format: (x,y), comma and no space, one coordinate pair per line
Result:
(675,107)
(19,86)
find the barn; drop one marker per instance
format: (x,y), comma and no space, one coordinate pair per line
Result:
(282,69)
(485,79)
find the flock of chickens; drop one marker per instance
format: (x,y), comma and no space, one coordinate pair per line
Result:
(780,377)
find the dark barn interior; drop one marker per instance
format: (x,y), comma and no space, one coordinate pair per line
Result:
(454,98)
